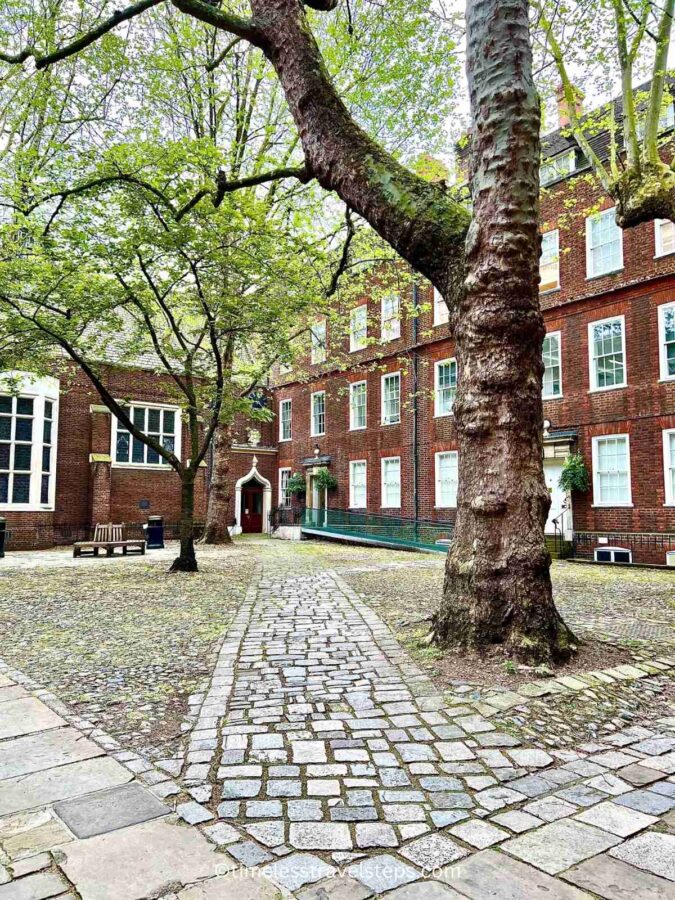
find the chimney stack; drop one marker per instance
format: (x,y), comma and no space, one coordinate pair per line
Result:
(563,108)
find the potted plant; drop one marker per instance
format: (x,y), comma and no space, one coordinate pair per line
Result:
(574,476)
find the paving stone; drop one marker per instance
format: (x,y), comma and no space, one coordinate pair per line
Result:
(403,812)
(26,716)
(281,787)
(382,873)
(342,888)
(115,808)
(498,797)
(560,845)
(222,834)
(194,813)
(271,834)
(309,752)
(229,809)
(581,795)
(494,876)
(253,887)
(34,887)
(304,810)
(433,783)
(443,817)
(60,783)
(616,880)
(375,834)
(517,821)
(297,870)
(320,836)
(241,788)
(150,855)
(44,750)
(433,852)
(616,819)
(648,802)
(426,890)
(609,784)
(530,759)
(249,854)
(550,809)
(30,864)
(479,834)
(453,751)
(651,851)
(264,809)
(639,775)
(26,834)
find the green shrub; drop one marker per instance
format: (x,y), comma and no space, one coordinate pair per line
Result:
(574,476)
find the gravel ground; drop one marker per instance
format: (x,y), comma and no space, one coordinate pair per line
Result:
(123,644)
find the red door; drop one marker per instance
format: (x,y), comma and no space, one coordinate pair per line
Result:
(251,509)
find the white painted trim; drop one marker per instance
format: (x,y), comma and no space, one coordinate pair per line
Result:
(592,381)
(382,490)
(152,467)
(400,383)
(290,403)
(558,334)
(596,492)
(352,427)
(313,433)
(663,363)
(267,496)
(283,469)
(590,274)
(396,322)
(670,496)
(353,462)
(353,315)
(658,240)
(437,365)
(437,492)
(612,550)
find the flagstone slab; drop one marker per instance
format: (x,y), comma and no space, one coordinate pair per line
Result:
(616,880)
(26,716)
(108,810)
(37,752)
(27,834)
(61,783)
(35,887)
(12,692)
(232,887)
(494,876)
(145,858)
(560,845)
(651,851)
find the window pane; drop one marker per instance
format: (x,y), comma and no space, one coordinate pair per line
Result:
(24,429)
(49,409)
(21,489)
(47,432)
(24,406)
(4,456)
(22,456)
(4,488)
(137,451)
(122,448)
(5,404)
(46,458)
(138,417)
(153,456)
(5,428)
(169,421)
(551,356)
(608,353)
(44,489)
(153,421)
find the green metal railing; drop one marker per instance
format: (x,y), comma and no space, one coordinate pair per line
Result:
(394,530)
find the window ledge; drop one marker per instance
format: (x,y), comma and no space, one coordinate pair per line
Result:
(670,379)
(662,255)
(285,440)
(26,507)
(389,424)
(553,290)
(553,397)
(145,467)
(611,506)
(436,506)
(601,390)
(670,505)
(605,274)
(360,428)
(447,415)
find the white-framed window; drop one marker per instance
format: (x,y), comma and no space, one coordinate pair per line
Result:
(667,341)
(666,120)
(664,237)
(446,479)
(445,386)
(669,465)
(557,167)
(391,398)
(604,244)
(549,261)
(358,328)
(613,554)
(552,386)
(318,335)
(441,311)
(391,482)
(163,423)
(607,353)
(358,405)
(28,438)
(358,485)
(391,317)
(611,470)
(318,409)
(284,478)
(285,420)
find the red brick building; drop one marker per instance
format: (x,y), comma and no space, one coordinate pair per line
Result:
(383,425)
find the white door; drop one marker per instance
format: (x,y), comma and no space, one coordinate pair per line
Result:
(552,471)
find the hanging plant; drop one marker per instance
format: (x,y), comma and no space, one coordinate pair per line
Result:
(296,484)
(324,480)
(574,476)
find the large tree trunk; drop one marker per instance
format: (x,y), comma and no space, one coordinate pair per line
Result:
(186,561)
(497,583)
(218,508)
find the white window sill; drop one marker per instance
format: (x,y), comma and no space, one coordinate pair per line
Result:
(670,505)
(360,428)
(613,387)
(662,255)
(285,440)
(552,290)
(669,379)
(611,506)
(390,507)
(438,324)
(357,509)
(447,415)
(25,507)
(146,467)
(318,434)
(552,396)
(356,349)
(604,274)
(388,424)
(436,506)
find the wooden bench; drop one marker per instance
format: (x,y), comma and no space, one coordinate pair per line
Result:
(108,537)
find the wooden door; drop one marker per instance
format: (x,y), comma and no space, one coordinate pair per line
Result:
(252,509)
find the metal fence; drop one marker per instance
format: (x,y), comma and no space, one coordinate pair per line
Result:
(27,537)
(394,530)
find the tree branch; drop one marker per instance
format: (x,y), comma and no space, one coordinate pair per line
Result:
(650,145)
(344,258)
(42,61)
(223,186)
(242,27)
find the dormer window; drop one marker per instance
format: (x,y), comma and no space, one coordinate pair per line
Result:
(557,167)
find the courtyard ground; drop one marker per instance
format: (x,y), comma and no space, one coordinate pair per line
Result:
(278,719)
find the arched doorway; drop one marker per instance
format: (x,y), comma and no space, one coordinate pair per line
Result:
(252,502)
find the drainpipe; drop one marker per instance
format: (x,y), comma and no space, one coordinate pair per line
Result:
(415,430)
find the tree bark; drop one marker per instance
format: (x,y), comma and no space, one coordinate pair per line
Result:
(497,583)
(186,561)
(216,530)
